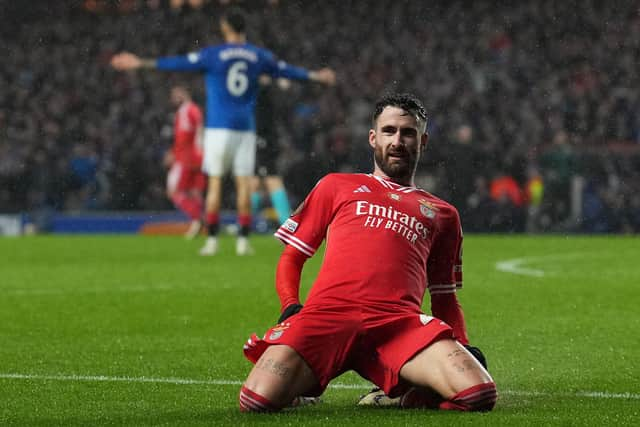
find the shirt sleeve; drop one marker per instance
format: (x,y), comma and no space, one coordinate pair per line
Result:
(444,266)
(444,272)
(307,227)
(280,69)
(191,62)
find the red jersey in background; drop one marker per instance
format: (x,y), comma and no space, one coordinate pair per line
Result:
(185,174)
(188,120)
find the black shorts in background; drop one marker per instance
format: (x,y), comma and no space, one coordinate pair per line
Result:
(267,153)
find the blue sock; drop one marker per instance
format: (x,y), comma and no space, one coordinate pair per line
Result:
(256,200)
(280,203)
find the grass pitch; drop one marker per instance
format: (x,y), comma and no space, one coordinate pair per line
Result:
(131,330)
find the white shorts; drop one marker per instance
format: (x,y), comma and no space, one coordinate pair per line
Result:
(227,150)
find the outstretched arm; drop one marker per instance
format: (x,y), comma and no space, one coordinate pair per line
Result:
(282,70)
(128,61)
(324,75)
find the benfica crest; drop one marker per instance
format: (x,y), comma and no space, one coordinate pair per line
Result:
(427,208)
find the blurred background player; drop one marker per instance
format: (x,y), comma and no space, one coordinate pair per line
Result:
(268,179)
(185,180)
(232,71)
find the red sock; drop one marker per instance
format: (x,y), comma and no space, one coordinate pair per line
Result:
(481,397)
(253,402)
(189,205)
(212,218)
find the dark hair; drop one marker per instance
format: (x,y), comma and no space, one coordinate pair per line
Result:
(182,81)
(407,101)
(236,19)
(181,86)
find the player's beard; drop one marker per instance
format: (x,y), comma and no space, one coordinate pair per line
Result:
(401,169)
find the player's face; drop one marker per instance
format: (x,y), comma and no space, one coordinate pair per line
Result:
(397,142)
(177,97)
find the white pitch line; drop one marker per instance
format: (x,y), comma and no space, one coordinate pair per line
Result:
(182,381)
(592,394)
(515,265)
(362,386)
(104,378)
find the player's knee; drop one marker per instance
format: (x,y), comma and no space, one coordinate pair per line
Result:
(250,401)
(481,397)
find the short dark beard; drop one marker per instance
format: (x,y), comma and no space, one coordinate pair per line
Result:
(402,171)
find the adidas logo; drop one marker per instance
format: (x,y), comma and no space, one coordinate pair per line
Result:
(362,189)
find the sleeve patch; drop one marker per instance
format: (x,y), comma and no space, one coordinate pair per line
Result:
(290,225)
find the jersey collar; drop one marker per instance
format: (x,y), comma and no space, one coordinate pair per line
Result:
(387,183)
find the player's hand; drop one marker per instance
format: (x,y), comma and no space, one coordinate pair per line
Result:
(283,84)
(126,61)
(168,159)
(324,75)
(475,351)
(289,311)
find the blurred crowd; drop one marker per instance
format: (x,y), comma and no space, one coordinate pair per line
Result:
(534,107)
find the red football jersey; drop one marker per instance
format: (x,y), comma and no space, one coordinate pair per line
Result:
(386,243)
(188,119)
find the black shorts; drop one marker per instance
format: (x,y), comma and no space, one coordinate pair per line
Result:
(267,153)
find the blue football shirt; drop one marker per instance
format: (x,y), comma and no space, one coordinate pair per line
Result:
(232,74)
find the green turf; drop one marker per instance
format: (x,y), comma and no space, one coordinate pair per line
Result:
(83,320)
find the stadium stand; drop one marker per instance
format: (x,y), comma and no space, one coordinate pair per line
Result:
(528,94)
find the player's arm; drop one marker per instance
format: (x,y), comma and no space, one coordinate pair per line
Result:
(323,75)
(303,233)
(197,121)
(444,269)
(199,142)
(128,61)
(168,158)
(445,305)
(282,70)
(288,275)
(447,308)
